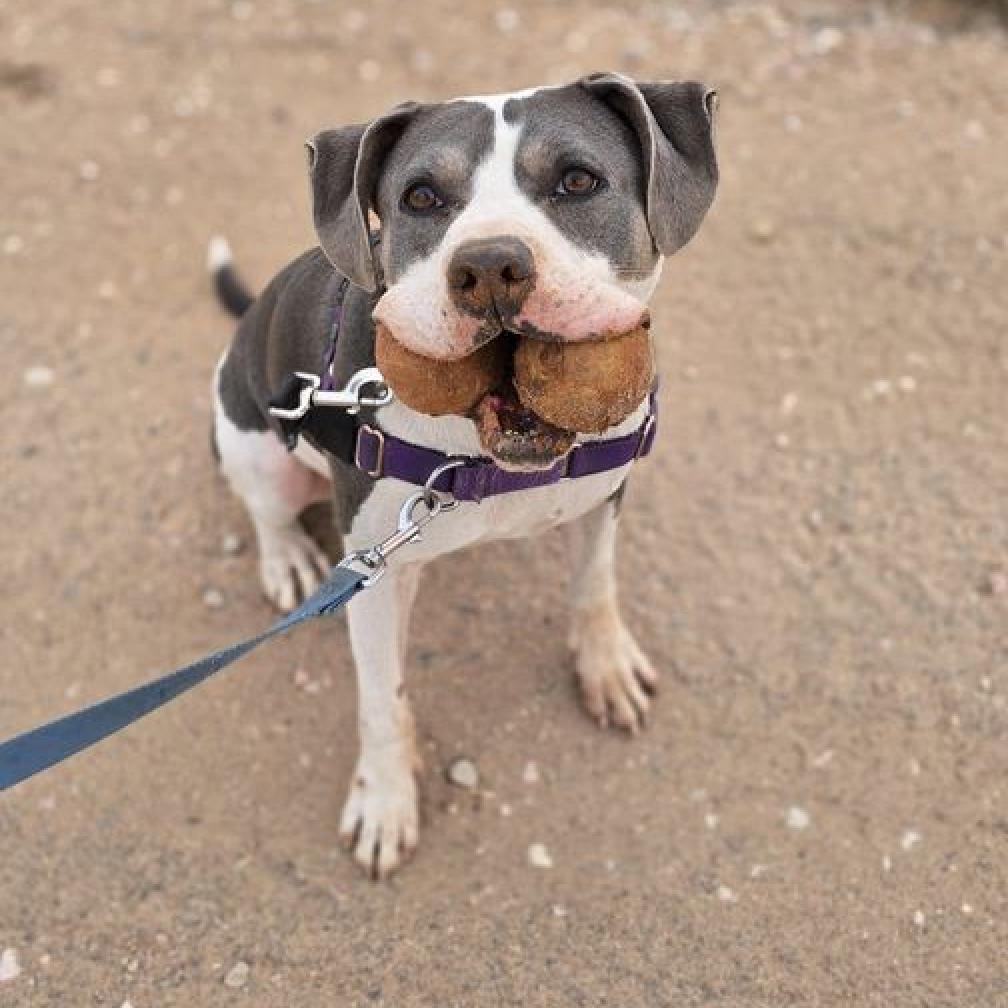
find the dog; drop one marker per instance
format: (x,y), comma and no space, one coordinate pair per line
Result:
(548,210)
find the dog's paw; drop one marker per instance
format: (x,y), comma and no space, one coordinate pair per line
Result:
(379,824)
(291,567)
(616,678)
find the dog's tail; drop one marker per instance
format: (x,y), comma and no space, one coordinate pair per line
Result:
(231,291)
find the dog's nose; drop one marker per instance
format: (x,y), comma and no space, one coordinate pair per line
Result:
(491,274)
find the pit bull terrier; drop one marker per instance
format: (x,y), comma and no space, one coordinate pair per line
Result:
(546,211)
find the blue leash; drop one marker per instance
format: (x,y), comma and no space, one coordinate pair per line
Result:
(49,744)
(33,751)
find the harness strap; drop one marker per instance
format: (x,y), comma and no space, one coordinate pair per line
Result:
(378,454)
(43,747)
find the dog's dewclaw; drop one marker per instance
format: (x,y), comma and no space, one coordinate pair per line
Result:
(584,387)
(439,387)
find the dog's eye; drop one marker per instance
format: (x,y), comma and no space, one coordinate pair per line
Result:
(421,198)
(577,182)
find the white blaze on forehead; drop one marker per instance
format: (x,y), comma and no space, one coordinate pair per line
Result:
(577,295)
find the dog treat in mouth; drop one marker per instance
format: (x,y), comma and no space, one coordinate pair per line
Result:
(439,387)
(585,387)
(528,397)
(514,435)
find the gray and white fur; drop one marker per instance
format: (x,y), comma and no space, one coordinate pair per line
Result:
(495,168)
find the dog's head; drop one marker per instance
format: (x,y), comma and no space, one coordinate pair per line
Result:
(545,212)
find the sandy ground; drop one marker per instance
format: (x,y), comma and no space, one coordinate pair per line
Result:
(816,558)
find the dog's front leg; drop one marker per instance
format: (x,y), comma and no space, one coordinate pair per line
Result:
(379,822)
(615,676)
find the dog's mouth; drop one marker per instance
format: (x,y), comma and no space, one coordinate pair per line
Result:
(514,436)
(511,434)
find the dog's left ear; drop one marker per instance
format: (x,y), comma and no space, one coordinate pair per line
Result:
(674,122)
(345,166)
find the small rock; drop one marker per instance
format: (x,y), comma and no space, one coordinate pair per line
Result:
(39,376)
(232,544)
(726,894)
(711,820)
(559,910)
(237,976)
(798,818)
(762,229)
(507,19)
(13,244)
(10,968)
(886,863)
(826,40)
(967,908)
(89,170)
(996,583)
(918,918)
(910,839)
(464,773)
(975,130)
(505,810)
(531,773)
(213,598)
(369,70)
(539,856)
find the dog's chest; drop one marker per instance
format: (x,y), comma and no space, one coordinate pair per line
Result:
(507,516)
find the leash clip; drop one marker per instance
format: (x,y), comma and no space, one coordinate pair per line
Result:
(351,397)
(354,394)
(409,527)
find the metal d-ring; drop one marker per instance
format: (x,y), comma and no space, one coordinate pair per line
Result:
(444,497)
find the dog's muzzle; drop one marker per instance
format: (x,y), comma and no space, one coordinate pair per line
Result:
(491,277)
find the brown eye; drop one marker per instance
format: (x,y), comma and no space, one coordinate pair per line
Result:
(577,182)
(421,198)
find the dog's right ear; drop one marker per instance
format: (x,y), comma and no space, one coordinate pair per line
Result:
(345,166)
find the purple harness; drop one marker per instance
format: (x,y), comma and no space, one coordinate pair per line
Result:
(378,454)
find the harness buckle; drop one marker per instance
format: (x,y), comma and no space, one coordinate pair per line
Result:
(645,436)
(376,470)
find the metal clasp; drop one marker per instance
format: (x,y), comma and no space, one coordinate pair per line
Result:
(373,560)
(310,383)
(351,397)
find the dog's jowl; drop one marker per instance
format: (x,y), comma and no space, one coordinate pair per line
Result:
(539,215)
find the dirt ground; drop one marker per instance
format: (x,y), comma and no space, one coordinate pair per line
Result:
(817,557)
